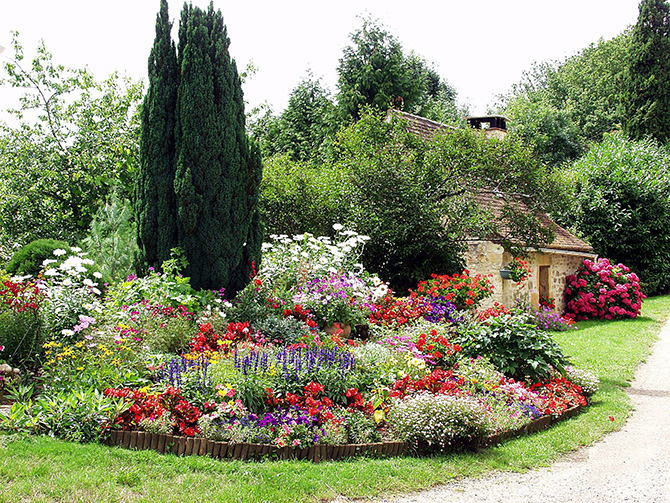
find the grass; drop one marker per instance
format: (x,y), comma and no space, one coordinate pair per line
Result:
(39,469)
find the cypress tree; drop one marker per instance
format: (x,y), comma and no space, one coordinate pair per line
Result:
(155,207)
(646,99)
(217,172)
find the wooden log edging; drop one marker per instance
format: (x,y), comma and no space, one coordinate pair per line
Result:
(539,424)
(196,446)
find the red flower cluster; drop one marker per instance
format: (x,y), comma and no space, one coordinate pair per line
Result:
(208,340)
(437,347)
(559,394)
(442,382)
(520,270)
(547,301)
(301,314)
(463,290)
(315,405)
(498,309)
(355,401)
(152,406)
(20,296)
(396,312)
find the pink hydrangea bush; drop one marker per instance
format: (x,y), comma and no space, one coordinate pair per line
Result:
(603,291)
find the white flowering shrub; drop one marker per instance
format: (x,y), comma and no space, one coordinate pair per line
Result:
(73,296)
(290,261)
(438,421)
(586,379)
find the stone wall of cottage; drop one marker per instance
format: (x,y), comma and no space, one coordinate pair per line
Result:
(488,259)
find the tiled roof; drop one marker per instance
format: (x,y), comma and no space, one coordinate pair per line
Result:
(420,126)
(563,239)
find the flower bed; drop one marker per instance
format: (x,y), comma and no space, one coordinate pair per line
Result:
(156,365)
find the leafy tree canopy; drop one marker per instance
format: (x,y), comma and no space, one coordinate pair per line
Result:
(414,198)
(71,141)
(646,99)
(620,191)
(375,72)
(559,107)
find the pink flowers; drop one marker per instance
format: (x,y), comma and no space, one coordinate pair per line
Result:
(601,290)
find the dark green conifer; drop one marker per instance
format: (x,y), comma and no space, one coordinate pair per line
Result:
(155,206)
(646,99)
(217,172)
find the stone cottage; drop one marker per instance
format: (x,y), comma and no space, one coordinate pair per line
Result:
(549,265)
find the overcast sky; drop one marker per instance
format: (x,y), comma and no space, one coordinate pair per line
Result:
(480,47)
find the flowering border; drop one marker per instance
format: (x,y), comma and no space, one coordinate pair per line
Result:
(194,446)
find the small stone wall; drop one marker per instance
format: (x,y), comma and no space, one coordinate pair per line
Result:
(487,258)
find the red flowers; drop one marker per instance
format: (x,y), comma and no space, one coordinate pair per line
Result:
(462,289)
(559,394)
(437,348)
(208,340)
(152,406)
(438,382)
(20,296)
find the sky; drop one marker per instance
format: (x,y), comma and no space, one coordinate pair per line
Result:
(480,47)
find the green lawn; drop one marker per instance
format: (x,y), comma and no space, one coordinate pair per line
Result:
(43,469)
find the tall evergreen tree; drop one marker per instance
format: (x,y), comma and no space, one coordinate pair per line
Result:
(646,98)
(217,171)
(155,206)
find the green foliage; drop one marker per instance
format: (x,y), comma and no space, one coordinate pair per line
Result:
(78,415)
(549,131)
(374,72)
(620,191)
(154,200)
(416,198)
(111,241)
(281,330)
(28,260)
(306,129)
(297,197)
(516,347)
(167,288)
(22,337)
(645,98)
(560,106)
(75,140)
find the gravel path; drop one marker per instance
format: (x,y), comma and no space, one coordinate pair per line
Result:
(630,465)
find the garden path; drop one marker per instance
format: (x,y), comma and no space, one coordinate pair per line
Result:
(631,465)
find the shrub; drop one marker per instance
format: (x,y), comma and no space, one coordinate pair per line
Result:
(517,348)
(621,189)
(29,259)
(21,335)
(603,291)
(296,198)
(284,330)
(428,420)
